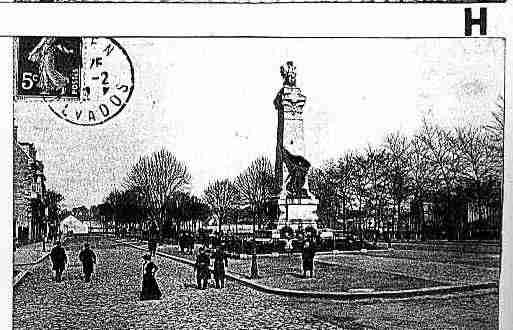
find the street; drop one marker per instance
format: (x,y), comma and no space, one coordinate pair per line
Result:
(111,302)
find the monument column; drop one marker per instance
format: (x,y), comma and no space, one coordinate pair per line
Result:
(298,207)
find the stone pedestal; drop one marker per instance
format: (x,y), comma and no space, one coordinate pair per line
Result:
(297,213)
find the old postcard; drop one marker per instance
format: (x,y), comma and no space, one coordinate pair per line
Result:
(257,182)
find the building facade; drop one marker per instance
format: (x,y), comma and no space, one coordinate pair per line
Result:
(28,192)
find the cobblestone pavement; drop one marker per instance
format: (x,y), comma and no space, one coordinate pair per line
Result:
(111,302)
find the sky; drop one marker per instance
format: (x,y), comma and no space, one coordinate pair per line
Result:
(210,101)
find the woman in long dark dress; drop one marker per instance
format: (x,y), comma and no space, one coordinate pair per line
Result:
(150,289)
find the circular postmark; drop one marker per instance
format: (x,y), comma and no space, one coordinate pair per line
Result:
(85,81)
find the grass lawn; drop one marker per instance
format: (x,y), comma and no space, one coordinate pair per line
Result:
(284,272)
(473,259)
(378,271)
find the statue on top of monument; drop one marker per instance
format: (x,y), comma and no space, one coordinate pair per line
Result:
(297,167)
(289,95)
(288,73)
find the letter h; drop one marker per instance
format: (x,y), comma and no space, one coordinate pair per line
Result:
(469,21)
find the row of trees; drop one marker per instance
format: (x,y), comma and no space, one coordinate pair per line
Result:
(154,191)
(384,188)
(448,168)
(252,191)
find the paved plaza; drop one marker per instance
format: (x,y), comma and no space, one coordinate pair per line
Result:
(111,302)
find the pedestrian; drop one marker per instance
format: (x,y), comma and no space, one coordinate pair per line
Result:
(152,246)
(88,259)
(288,246)
(185,243)
(150,289)
(202,268)
(59,259)
(220,261)
(180,241)
(190,243)
(308,256)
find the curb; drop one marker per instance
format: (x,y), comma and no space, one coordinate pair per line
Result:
(17,279)
(24,273)
(340,295)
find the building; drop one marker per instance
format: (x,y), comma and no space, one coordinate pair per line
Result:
(71,225)
(28,192)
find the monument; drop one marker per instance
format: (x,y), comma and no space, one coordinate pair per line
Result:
(297,205)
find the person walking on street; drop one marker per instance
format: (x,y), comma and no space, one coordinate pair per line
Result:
(152,246)
(190,243)
(59,259)
(150,289)
(202,268)
(308,257)
(220,261)
(181,242)
(152,239)
(88,259)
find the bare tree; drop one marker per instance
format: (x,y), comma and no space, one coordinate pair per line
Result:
(256,186)
(343,173)
(496,128)
(441,154)
(496,135)
(114,200)
(157,178)
(420,181)
(221,196)
(477,159)
(322,183)
(397,147)
(376,184)
(359,187)
(474,148)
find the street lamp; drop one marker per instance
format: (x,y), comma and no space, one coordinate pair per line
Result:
(45,235)
(254,265)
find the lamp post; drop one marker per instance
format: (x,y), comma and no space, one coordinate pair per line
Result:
(45,234)
(254,264)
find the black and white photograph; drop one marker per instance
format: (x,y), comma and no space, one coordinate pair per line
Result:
(257,182)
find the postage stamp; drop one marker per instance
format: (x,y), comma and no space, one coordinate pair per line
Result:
(49,67)
(85,81)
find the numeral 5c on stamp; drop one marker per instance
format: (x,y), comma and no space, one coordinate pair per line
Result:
(85,81)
